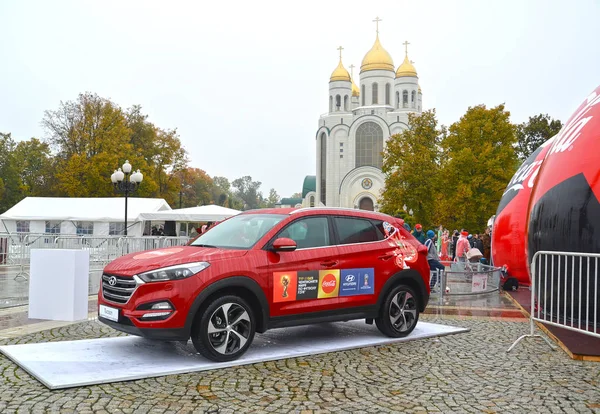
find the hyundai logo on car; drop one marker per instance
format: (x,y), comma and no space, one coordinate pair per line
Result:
(350,278)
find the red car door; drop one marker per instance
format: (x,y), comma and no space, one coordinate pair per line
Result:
(307,279)
(366,260)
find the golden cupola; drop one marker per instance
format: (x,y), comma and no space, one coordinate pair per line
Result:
(355,90)
(340,73)
(406,68)
(377,58)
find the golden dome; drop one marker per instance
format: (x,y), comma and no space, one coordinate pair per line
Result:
(377,58)
(340,73)
(406,68)
(355,90)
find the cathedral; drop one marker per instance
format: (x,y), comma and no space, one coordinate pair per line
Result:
(351,136)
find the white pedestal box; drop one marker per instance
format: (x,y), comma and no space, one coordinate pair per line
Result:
(58,284)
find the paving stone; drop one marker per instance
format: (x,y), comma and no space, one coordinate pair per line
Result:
(462,373)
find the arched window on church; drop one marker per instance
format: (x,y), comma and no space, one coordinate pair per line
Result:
(387,93)
(338,102)
(323,160)
(331,104)
(362,95)
(312,201)
(369,145)
(397,100)
(346,103)
(405,98)
(413,98)
(375,92)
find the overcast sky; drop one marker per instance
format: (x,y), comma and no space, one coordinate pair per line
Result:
(244,82)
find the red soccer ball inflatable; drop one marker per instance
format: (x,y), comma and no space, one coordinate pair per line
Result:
(564,210)
(508,236)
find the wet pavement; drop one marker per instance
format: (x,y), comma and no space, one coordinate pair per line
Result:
(464,373)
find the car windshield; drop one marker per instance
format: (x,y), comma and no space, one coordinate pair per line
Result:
(239,232)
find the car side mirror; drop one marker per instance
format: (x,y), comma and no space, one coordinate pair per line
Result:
(422,249)
(284,244)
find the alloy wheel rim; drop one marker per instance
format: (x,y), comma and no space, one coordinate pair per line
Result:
(403,311)
(229,328)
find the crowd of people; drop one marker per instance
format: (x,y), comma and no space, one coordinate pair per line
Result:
(443,247)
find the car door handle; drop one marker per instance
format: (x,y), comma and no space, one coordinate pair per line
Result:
(386,256)
(329,263)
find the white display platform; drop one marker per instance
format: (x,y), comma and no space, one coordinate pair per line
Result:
(98,361)
(58,284)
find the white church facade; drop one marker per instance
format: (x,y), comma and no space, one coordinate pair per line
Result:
(351,136)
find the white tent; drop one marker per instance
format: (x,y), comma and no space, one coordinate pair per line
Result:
(69,215)
(192,214)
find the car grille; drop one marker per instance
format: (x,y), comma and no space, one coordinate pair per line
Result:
(121,291)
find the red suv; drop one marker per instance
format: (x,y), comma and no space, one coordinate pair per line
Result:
(266,269)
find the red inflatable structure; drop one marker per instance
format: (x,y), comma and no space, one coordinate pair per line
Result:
(552,201)
(508,236)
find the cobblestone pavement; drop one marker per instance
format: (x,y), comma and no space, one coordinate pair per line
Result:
(464,373)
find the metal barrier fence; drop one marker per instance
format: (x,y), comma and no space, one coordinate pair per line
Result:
(566,287)
(464,278)
(15,251)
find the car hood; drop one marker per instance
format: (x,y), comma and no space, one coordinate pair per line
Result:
(139,262)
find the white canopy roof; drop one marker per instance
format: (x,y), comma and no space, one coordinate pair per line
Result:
(196,214)
(83,209)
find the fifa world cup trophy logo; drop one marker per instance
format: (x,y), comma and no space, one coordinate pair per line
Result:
(285,281)
(366,280)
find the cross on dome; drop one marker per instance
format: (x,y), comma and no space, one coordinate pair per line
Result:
(340,49)
(377,20)
(406,47)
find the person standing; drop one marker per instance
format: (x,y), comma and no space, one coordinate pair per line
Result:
(462,246)
(486,240)
(453,245)
(445,243)
(418,233)
(433,258)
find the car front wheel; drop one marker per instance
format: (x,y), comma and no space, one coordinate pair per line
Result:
(399,313)
(225,329)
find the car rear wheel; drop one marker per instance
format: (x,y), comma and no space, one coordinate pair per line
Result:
(225,329)
(399,313)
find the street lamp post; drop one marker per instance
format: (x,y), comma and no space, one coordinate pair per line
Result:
(126,182)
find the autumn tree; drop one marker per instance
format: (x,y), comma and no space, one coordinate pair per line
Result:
(533,133)
(196,187)
(93,136)
(248,191)
(478,161)
(411,165)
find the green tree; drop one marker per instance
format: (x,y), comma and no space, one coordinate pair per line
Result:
(9,172)
(296,195)
(479,160)
(272,199)
(36,167)
(221,190)
(248,191)
(533,133)
(411,165)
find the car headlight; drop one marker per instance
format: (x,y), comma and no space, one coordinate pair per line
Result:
(176,272)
